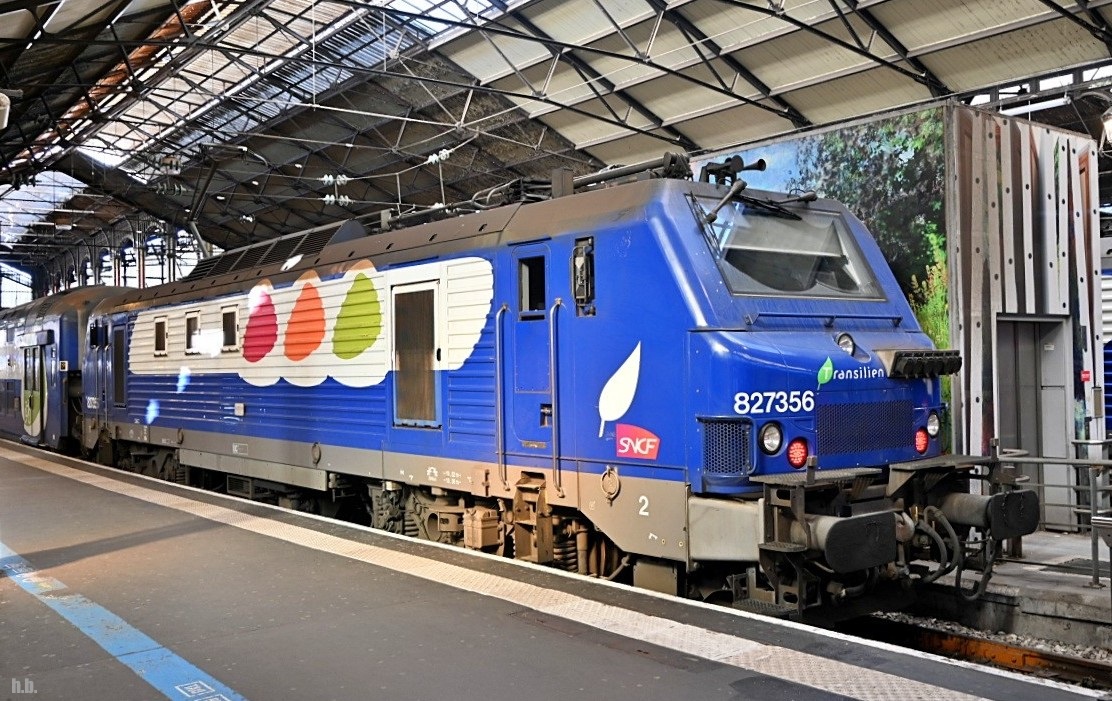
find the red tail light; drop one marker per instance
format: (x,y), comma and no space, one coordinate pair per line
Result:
(797,453)
(921,440)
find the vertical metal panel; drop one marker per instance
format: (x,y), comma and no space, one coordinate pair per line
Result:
(1027,218)
(992,302)
(1079,292)
(1093,242)
(1056,216)
(975,304)
(958,196)
(1046,223)
(1063,171)
(1089,265)
(1043,222)
(1008,201)
(1091,215)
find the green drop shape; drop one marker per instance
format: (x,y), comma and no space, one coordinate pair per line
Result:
(31,407)
(360,320)
(826,372)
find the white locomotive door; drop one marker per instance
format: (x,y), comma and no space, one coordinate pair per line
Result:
(416,356)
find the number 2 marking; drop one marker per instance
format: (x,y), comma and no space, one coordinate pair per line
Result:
(644,502)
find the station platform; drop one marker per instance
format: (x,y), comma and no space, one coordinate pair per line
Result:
(115,586)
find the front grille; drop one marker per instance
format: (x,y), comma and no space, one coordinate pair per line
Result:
(863,427)
(726,447)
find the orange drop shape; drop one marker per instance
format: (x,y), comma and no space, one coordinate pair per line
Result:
(305,330)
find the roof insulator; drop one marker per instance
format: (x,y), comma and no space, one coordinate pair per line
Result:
(438,157)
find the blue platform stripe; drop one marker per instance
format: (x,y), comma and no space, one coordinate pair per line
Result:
(172,676)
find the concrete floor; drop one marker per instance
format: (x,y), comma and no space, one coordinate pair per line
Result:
(117,587)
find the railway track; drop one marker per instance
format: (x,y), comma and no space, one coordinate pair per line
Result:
(1092,674)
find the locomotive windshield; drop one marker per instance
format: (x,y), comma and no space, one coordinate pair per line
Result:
(773,251)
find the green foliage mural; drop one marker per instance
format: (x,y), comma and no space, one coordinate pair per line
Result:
(890,174)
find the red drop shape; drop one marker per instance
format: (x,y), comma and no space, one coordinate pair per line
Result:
(262,329)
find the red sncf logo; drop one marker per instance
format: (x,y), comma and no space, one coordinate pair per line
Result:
(636,442)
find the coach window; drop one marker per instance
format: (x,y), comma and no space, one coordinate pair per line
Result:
(231,331)
(160,336)
(531,292)
(192,330)
(31,369)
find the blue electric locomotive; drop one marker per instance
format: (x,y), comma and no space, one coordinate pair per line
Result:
(709,390)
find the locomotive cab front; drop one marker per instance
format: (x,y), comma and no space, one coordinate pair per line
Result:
(816,379)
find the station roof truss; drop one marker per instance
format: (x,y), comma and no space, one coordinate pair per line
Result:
(247,120)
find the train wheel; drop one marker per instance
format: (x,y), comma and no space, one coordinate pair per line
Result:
(170,469)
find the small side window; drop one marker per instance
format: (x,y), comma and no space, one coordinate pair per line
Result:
(93,337)
(583,276)
(192,332)
(231,329)
(531,287)
(160,336)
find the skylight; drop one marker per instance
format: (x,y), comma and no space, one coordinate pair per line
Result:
(29,205)
(286,55)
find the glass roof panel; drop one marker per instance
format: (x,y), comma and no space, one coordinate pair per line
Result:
(286,55)
(28,205)
(248,71)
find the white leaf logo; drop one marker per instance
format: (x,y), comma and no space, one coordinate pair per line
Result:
(618,393)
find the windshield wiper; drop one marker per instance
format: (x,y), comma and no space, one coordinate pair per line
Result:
(773,207)
(770,206)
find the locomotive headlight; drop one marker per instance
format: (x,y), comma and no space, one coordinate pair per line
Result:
(933,424)
(845,342)
(771,438)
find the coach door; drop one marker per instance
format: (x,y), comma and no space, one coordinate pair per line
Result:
(34,392)
(95,378)
(529,379)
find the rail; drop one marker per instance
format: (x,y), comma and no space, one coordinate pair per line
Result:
(969,645)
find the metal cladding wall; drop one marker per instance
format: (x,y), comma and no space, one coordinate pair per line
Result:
(1021,207)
